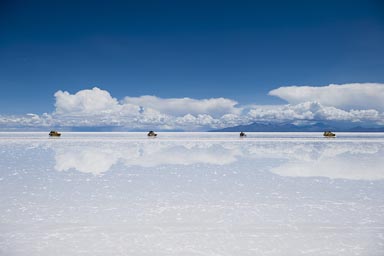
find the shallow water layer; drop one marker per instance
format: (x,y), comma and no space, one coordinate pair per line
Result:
(191,194)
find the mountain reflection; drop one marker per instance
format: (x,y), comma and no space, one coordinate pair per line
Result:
(344,160)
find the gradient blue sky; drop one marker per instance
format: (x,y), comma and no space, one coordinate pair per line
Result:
(199,49)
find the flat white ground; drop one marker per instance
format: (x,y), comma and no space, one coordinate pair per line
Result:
(191,194)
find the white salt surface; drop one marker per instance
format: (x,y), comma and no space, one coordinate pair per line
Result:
(191,194)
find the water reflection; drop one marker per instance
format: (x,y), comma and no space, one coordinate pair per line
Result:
(98,159)
(116,196)
(344,160)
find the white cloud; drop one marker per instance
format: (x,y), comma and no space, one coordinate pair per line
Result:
(86,102)
(28,120)
(312,111)
(215,107)
(96,107)
(345,96)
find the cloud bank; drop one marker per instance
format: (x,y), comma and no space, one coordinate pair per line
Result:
(98,107)
(215,107)
(346,96)
(313,111)
(359,103)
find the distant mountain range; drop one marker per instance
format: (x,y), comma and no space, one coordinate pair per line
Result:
(289,127)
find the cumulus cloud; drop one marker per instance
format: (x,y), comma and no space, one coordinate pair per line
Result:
(360,96)
(215,107)
(29,120)
(97,107)
(96,101)
(88,102)
(312,111)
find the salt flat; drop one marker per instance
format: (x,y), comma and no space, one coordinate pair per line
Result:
(191,194)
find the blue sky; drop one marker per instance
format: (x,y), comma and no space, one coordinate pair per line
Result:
(238,50)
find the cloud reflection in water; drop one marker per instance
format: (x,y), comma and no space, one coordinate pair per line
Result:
(344,160)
